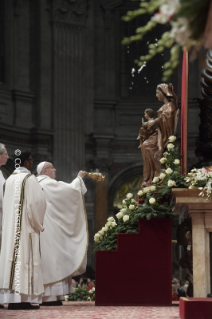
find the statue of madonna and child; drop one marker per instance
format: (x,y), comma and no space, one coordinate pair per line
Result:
(154,133)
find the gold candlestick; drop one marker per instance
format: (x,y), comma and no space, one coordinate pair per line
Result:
(96,176)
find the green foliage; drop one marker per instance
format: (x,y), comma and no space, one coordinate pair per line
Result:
(194,13)
(82,294)
(154,201)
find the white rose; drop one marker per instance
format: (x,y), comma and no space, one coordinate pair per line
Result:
(163,160)
(162,176)
(140,193)
(119,215)
(113,224)
(66,297)
(151,200)
(176,161)
(170,146)
(152,188)
(131,207)
(101,232)
(126,218)
(105,228)
(132,200)
(168,171)
(96,238)
(146,190)
(172,138)
(123,210)
(155,180)
(110,219)
(171,183)
(129,195)
(124,202)
(165,154)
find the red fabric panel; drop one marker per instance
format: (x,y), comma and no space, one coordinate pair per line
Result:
(140,271)
(195,308)
(184,103)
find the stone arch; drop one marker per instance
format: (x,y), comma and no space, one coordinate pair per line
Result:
(118,180)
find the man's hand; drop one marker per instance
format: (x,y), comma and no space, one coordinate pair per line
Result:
(81,174)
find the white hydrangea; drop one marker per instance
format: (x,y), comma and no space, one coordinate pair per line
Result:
(129,195)
(152,201)
(126,218)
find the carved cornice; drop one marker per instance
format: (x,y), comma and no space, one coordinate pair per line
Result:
(69,11)
(109,6)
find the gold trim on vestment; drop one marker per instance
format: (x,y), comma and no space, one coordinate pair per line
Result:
(86,250)
(13,290)
(12,271)
(42,179)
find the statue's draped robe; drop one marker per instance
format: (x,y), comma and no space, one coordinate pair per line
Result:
(24,206)
(152,148)
(64,243)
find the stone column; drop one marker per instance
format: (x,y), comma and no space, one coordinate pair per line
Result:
(201,256)
(69,18)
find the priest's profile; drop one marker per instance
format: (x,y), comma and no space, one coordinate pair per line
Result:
(64,243)
(24,206)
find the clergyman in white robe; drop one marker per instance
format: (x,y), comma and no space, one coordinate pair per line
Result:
(64,243)
(24,206)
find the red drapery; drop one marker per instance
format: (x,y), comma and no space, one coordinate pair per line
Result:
(184,112)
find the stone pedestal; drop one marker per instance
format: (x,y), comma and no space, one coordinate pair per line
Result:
(200,212)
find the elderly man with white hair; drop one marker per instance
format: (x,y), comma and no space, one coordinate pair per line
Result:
(64,243)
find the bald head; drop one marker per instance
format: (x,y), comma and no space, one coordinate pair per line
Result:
(46,168)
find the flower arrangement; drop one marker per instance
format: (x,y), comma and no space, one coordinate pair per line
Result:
(187,20)
(202,179)
(154,201)
(81,294)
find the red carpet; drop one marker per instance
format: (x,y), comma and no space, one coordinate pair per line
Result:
(139,272)
(87,310)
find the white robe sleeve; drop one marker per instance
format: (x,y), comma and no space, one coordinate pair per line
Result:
(79,184)
(36,203)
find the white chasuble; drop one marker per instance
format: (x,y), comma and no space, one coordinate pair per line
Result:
(24,206)
(64,243)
